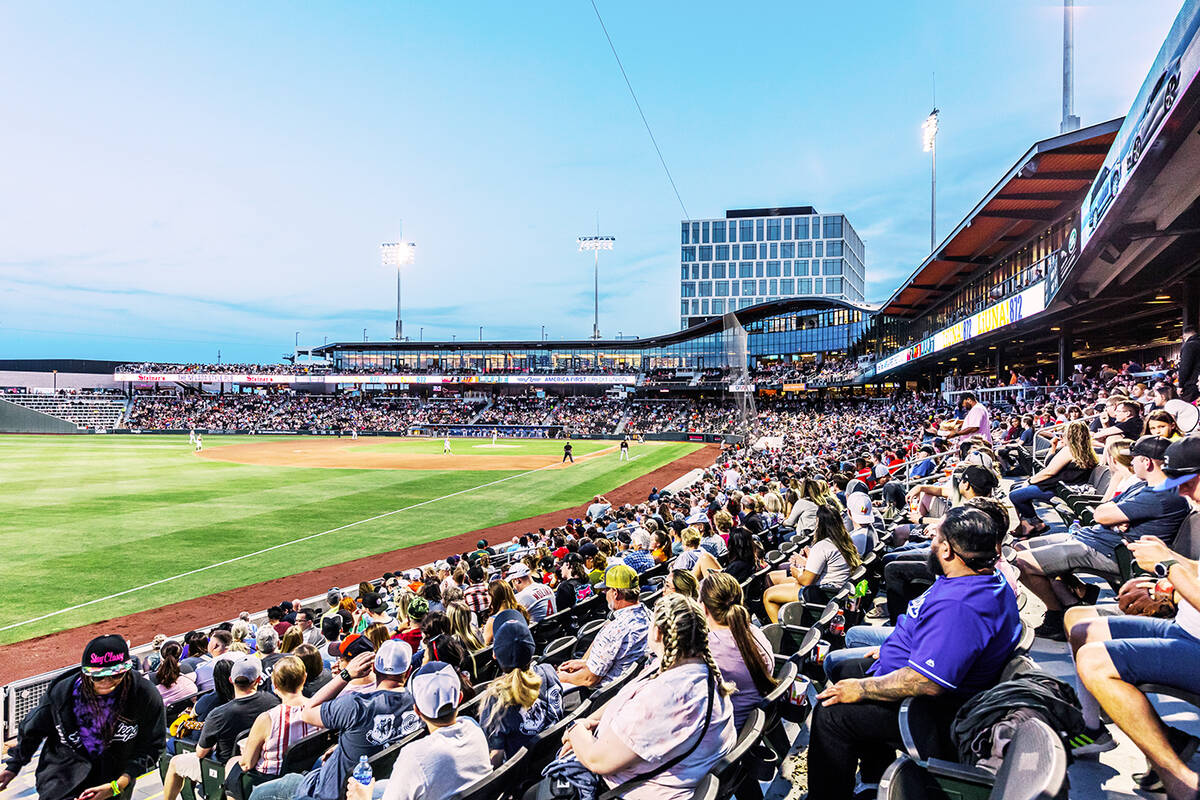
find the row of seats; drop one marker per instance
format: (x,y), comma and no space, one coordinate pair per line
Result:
(81,411)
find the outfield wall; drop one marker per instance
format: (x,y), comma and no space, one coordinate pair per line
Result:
(19,419)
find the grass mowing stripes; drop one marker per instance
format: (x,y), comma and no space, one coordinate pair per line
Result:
(88,516)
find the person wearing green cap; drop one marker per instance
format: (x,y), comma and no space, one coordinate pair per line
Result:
(621,643)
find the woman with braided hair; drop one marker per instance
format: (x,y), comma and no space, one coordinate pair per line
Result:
(102,726)
(673,724)
(740,649)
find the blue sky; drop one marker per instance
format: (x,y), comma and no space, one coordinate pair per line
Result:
(180,180)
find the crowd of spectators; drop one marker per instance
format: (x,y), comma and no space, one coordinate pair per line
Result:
(917,486)
(652,415)
(522,410)
(582,415)
(151,367)
(830,370)
(276,411)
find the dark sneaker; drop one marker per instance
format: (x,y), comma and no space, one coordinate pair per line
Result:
(1051,628)
(1092,742)
(1182,743)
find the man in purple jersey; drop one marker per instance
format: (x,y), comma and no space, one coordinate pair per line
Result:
(952,642)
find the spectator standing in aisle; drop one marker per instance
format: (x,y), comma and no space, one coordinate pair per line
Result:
(1189,365)
(99,727)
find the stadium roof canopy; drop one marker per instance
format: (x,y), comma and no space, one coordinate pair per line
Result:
(1042,186)
(745,316)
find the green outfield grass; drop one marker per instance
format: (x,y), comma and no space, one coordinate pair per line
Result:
(88,516)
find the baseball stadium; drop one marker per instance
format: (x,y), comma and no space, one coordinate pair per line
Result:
(798,545)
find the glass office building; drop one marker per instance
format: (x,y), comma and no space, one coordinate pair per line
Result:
(760,255)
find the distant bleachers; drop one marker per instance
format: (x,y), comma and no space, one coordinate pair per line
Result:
(82,411)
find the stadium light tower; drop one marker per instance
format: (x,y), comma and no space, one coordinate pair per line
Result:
(1070,122)
(398,255)
(929,130)
(596,244)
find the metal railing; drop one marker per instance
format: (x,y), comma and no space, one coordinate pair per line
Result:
(997,391)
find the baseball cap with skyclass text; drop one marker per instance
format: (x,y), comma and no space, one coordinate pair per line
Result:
(106,656)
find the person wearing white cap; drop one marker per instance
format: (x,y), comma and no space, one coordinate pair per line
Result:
(218,737)
(452,757)
(537,598)
(862,518)
(366,722)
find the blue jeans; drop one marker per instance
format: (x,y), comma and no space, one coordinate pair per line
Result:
(860,640)
(1024,498)
(279,789)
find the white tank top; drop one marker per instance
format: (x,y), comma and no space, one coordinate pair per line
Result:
(286,729)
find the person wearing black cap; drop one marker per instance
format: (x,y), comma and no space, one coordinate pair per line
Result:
(574,585)
(1139,511)
(376,611)
(526,698)
(99,726)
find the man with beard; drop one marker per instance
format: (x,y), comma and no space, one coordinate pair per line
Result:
(951,643)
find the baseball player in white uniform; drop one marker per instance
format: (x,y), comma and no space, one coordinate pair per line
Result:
(446,446)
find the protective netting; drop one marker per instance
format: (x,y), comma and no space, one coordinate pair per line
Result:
(734,340)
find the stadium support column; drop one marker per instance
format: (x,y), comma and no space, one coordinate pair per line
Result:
(997,363)
(1065,345)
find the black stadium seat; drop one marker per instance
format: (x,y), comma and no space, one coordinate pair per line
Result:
(1034,768)
(495,784)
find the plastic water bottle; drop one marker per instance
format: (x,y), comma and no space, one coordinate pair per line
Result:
(362,773)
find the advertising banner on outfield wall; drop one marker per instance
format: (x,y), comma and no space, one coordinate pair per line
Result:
(222,377)
(213,377)
(524,380)
(1013,309)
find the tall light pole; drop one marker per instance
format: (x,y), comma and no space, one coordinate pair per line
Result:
(1070,122)
(596,244)
(929,130)
(398,254)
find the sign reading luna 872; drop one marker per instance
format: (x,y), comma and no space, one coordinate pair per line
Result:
(1013,309)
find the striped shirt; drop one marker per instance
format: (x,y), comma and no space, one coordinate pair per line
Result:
(286,729)
(476,597)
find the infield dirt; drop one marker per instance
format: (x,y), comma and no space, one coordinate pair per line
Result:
(342,454)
